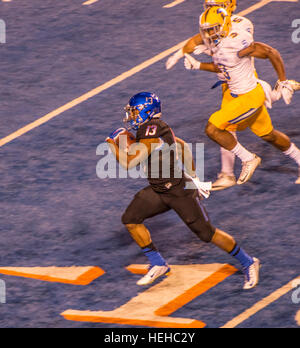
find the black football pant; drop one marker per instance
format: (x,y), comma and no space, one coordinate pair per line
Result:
(186,203)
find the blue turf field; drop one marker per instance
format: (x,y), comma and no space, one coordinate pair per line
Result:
(54,210)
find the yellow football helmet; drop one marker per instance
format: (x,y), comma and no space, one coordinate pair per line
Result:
(229,5)
(215,25)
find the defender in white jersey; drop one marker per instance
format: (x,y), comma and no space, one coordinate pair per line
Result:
(239,73)
(244,102)
(195,45)
(238,24)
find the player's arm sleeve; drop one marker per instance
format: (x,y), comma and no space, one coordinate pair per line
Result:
(248,26)
(242,42)
(251,28)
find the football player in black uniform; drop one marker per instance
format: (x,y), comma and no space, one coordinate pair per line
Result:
(156,148)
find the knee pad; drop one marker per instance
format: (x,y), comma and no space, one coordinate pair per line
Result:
(204,231)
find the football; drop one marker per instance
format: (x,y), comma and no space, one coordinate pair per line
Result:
(125,139)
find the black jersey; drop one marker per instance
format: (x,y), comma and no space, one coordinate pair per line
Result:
(161,167)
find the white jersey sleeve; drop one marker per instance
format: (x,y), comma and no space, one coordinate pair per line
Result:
(239,40)
(238,24)
(242,23)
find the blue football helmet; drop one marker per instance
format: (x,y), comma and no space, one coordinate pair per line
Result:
(141,108)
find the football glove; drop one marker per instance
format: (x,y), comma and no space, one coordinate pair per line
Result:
(201,49)
(174,59)
(286,89)
(115,134)
(295,85)
(191,63)
(203,188)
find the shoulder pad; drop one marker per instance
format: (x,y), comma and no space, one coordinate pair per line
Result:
(239,40)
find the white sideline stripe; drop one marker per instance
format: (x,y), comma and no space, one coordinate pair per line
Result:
(89,95)
(89,2)
(260,305)
(260,5)
(174,3)
(112,82)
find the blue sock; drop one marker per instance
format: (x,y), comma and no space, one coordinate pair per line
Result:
(153,256)
(239,254)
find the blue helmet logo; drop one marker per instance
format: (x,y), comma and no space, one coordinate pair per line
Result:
(141,108)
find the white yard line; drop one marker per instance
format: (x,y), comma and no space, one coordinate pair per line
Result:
(88,95)
(174,3)
(260,305)
(112,82)
(260,5)
(89,2)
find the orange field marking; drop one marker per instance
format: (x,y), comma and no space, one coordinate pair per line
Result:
(153,306)
(298,318)
(68,275)
(196,290)
(94,317)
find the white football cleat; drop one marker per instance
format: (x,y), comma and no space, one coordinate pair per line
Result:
(223,182)
(248,170)
(154,273)
(252,275)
